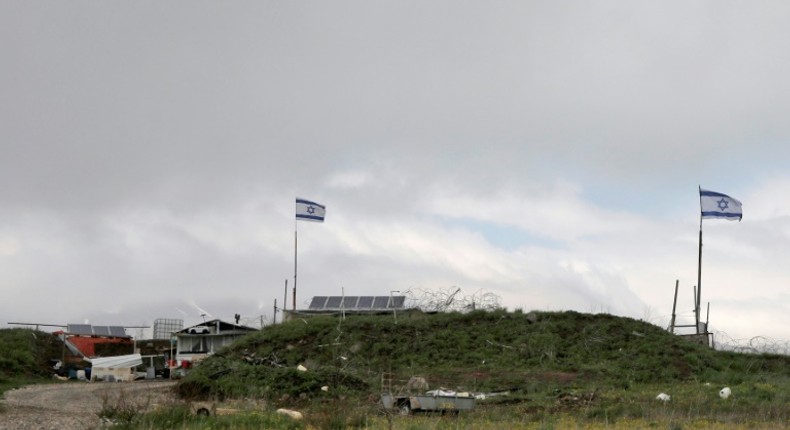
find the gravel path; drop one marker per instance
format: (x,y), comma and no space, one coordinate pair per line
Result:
(74,405)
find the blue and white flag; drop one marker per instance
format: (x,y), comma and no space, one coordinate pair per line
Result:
(718,205)
(309,211)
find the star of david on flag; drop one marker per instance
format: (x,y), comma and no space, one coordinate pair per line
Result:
(309,211)
(718,205)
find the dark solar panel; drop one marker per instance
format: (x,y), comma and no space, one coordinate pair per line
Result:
(398,301)
(318,302)
(333,302)
(365,302)
(350,302)
(81,329)
(101,330)
(117,331)
(381,302)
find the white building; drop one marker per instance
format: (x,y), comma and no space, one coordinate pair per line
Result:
(199,341)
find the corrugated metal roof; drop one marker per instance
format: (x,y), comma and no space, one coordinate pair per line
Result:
(118,362)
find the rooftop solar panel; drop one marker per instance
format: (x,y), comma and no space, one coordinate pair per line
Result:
(365,302)
(333,302)
(117,331)
(318,302)
(81,329)
(101,330)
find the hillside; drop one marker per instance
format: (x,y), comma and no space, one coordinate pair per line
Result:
(25,354)
(478,351)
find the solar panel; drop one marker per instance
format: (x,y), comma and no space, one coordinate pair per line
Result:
(380,302)
(117,331)
(80,329)
(350,302)
(318,302)
(357,302)
(101,330)
(333,302)
(365,302)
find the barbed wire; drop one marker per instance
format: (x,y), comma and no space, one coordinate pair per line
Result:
(752,345)
(450,299)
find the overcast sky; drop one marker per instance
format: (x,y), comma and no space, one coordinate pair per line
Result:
(548,152)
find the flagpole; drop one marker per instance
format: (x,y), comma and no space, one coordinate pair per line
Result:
(699,269)
(295,248)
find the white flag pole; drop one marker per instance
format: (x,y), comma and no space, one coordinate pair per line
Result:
(699,268)
(295,259)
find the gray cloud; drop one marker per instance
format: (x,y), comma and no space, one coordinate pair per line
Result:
(151,152)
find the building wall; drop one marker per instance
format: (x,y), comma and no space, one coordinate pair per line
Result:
(203,344)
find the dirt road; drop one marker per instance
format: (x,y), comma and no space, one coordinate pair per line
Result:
(74,405)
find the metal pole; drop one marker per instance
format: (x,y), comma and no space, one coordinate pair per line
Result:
(285,302)
(674,306)
(295,247)
(699,267)
(698,299)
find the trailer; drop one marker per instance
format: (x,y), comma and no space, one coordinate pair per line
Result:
(408,404)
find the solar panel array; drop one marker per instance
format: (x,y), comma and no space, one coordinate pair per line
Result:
(96,330)
(356,303)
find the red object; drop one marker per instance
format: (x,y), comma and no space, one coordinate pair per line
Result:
(87,345)
(186,364)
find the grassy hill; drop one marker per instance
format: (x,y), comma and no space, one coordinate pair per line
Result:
(560,369)
(478,351)
(25,355)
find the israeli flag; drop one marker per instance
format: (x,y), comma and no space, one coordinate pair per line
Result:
(309,211)
(718,205)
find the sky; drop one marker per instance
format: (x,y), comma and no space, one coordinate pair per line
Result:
(548,153)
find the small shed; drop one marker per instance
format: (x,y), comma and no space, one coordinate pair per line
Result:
(199,341)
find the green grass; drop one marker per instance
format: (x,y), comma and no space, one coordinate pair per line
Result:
(479,351)
(24,357)
(562,370)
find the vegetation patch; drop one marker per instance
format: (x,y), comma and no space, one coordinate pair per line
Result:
(25,356)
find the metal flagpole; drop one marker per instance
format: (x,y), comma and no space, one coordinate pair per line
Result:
(699,269)
(295,248)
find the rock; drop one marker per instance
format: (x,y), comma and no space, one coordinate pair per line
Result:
(296,415)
